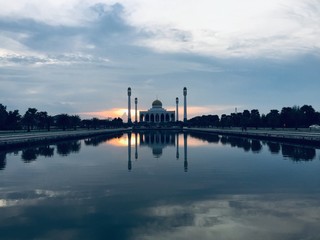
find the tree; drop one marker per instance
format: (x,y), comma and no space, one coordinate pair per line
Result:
(75,121)
(13,120)
(42,119)
(273,118)
(287,117)
(63,121)
(3,116)
(95,122)
(236,119)
(245,119)
(309,115)
(29,118)
(255,118)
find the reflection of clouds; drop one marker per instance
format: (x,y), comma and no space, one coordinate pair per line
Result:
(236,217)
(29,198)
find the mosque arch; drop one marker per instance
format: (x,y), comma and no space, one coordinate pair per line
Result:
(172,117)
(167,117)
(152,117)
(162,117)
(157,118)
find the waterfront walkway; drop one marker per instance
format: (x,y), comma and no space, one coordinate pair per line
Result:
(10,139)
(303,136)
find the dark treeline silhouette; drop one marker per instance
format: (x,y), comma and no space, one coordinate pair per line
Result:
(288,117)
(292,152)
(40,120)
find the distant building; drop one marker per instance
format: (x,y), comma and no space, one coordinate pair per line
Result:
(157,114)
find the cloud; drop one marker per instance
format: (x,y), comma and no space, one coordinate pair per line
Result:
(230,28)
(81,54)
(234,217)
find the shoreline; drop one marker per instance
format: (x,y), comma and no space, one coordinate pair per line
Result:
(26,139)
(290,136)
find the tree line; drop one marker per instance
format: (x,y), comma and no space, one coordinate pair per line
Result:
(288,117)
(33,119)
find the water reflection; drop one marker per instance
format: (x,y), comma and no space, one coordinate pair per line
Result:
(298,153)
(226,193)
(65,148)
(31,154)
(129,152)
(274,147)
(158,141)
(3,160)
(293,152)
(96,141)
(185,141)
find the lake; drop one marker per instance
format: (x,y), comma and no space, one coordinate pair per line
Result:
(161,185)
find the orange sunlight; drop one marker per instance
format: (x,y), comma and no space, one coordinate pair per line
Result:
(123,141)
(192,112)
(111,113)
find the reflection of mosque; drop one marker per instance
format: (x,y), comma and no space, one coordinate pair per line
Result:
(157,141)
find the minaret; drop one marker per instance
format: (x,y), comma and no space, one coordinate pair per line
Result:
(185,104)
(177,108)
(136,110)
(129,105)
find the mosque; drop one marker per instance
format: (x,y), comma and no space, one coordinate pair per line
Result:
(157,114)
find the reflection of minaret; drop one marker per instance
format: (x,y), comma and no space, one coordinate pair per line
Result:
(129,105)
(129,152)
(177,108)
(185,152)
(136,110)
(177,155)
(185,104)
(136,146)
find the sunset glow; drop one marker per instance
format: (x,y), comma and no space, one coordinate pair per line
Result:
(192,111)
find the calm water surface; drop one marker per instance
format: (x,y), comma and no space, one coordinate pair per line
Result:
(161,185)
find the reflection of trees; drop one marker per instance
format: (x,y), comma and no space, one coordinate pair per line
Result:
(212,138)
(298,153)
(256,146)
(65,148)
(46,151)
(274,147)
(3,161)
(95,141)
(246,144)
(31,154)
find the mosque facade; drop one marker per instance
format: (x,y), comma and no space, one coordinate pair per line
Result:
(157,114)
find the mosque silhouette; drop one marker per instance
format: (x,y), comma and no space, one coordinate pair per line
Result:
(157,114)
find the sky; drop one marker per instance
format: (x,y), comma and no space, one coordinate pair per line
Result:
(80,56)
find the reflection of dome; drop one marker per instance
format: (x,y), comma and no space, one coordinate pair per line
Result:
(157,104)
(157,152)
